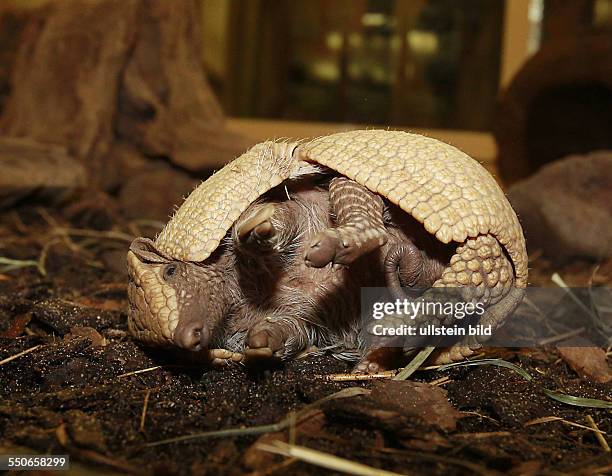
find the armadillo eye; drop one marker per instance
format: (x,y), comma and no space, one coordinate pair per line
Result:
(169,271)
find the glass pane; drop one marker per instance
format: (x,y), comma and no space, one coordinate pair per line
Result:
(421,63)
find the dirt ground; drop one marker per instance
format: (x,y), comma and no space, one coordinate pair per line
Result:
(77,390)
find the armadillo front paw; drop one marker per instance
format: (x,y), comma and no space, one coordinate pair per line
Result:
(455,353)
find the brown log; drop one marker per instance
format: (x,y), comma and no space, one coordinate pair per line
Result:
(92,73)
(166,106)
(67,73)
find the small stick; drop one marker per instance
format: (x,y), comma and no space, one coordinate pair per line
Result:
(111,235)
(298,417)
(481,416)
(539,421)
(16,356)
(441,381)
(143,415)
(349,377)
(602,441)
(142,371)
(555,278)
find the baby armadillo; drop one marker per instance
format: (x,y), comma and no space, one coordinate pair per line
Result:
(245,268)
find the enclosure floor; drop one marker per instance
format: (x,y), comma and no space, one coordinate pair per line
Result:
(71,393)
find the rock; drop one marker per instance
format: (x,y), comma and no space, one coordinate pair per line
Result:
(566,207)
(33,170)
(153,194)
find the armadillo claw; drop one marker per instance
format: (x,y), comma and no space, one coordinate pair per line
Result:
(266,340)
(224,357)
(379,359)
(367,367)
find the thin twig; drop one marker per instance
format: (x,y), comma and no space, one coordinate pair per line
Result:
(143,415)
(20,354)
(350,377)
(557,338)
(598,434)
(481,416)
(111,235)
(142,371)
(555,278)
(539,421)
(440,381)
(482,435)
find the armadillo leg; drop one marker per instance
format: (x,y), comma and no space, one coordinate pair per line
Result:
(359,226)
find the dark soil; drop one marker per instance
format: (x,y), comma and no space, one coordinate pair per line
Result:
(71,394)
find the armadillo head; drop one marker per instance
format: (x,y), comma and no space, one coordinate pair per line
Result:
(182,286)
(175,303)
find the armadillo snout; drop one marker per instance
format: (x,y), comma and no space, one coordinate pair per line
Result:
(192,336)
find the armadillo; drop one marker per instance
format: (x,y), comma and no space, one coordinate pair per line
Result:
(217,275)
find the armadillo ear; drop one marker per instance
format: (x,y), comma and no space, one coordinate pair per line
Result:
(145,249)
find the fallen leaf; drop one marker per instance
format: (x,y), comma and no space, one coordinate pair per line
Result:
(588,362)
(97,340)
